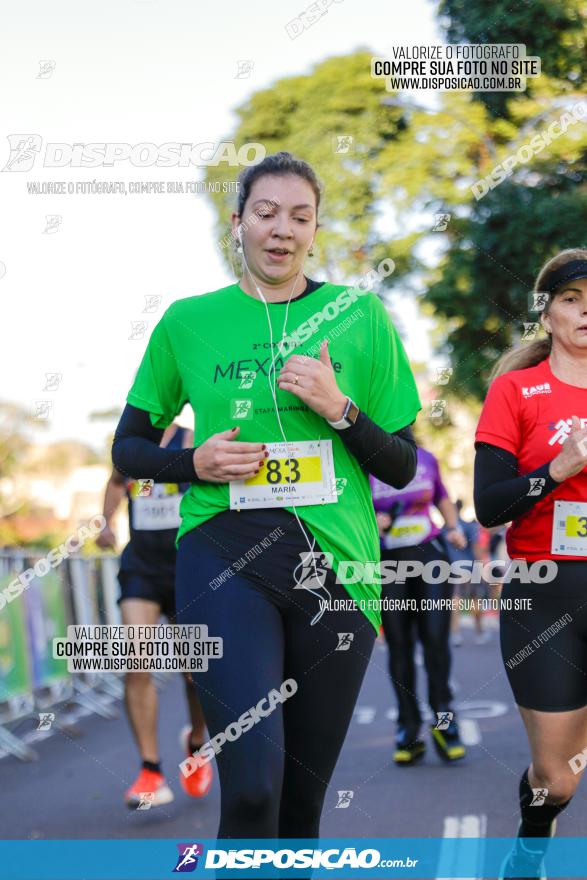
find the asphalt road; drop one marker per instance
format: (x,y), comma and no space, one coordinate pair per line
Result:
(75,789)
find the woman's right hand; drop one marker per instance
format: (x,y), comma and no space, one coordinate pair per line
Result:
(573,456)
(219,459)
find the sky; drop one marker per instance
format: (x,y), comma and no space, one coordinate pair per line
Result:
(131,72)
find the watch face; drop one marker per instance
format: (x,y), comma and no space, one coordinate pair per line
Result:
(353,413)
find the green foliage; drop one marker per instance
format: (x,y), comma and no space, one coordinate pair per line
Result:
(410,162)
(483,283)
(304,115)
(14,443)
(552,29)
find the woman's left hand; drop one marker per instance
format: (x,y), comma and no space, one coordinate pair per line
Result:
(316,383)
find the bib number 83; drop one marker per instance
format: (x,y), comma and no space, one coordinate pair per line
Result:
(274,470)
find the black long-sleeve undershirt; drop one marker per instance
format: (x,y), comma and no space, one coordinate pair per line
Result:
(501,494)
(136,452)
(391,458)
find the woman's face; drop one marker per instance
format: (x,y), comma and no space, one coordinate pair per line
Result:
(278,226)
(566,318)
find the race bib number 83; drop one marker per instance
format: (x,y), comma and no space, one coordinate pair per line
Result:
(299,472)
(278,471)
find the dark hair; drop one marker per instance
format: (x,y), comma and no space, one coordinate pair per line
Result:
(459,504)
(279,163)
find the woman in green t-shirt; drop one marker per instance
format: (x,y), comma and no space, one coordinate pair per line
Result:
(300,389)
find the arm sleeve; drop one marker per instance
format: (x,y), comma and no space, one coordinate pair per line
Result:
(501,495)
(393,400)
(389,457)
(137,454)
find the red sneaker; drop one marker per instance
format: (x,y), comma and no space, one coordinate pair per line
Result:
(148,788)
(198,783)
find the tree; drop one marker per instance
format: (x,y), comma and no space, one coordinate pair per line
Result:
(497,247)
(483,284)
(15,448)
(307,115)
(554,30)
(410,163)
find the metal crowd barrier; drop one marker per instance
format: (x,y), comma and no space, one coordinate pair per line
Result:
(80,590)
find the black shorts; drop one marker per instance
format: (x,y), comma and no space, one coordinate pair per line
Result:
(134,585)
(544,648)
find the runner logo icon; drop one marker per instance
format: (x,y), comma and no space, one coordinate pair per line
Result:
(314,569)
(344,799)
(241,409)
(443,720)
(187,861)
(23,151)
(146,799)
(536,485)
(45,720)
(539,795)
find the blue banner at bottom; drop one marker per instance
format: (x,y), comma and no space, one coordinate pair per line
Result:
(336,858)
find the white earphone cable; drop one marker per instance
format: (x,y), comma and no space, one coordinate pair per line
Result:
(274,395)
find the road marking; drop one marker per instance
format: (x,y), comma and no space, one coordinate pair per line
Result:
(482,708)
(365,714)
(470,732)
(466,712)
(459,827)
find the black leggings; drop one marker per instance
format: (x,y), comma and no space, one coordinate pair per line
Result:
(274,777)
(433,630)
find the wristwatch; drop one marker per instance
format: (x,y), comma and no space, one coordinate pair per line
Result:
(349,416)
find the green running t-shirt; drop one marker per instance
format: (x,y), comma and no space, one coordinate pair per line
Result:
(214,350)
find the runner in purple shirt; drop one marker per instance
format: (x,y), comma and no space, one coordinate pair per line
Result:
(426,490)
(408,533)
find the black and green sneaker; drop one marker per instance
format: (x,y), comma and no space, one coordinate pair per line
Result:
(447,742)
(408,748)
